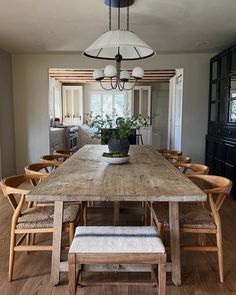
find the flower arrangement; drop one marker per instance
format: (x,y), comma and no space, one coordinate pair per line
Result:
(120,127)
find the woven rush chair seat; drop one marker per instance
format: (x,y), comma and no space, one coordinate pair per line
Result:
(190,216)
(116,239)
(43,217)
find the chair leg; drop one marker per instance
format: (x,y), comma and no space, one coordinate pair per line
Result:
(160,228)
(11,256)
(220,256)
(71,232)
(84,212)
(162,279)
(147,215)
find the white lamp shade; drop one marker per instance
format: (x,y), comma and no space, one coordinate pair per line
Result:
(124,76)
(110,71)
(127,43)
(98,74)
(138,73)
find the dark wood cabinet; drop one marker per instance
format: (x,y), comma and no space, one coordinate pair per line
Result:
(221,136)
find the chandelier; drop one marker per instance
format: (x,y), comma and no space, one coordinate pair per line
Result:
(118,45)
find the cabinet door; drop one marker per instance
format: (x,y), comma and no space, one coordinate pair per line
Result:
(230,154)
(224,63)
(223,116)
(210,152)
(213,111)
(224,89)
(142,100)
(233,61)
(72,105)
(214,69)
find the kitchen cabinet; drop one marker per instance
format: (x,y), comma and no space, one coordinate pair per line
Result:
(72,105)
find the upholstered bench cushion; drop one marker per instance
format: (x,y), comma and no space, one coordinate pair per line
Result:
(116,239)
(42,217)
(190,216)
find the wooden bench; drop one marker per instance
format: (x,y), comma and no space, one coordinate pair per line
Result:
(117,246)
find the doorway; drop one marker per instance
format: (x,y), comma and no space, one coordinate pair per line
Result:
(72,89)
(175,111)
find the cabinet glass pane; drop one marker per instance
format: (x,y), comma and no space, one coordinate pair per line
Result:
(233,86)
(232,111)
(213,112)
(68,99)
(224,66)
(222,111)
(233,61)
(77,104)
(223,88)
(213,92)
(214,70)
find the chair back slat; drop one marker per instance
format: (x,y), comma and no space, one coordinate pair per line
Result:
(176,160)
(64,152)
(192,168)
(60,158)
(11,188)
(217,188)
(41,169)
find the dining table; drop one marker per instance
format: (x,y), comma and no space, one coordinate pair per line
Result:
(147,177)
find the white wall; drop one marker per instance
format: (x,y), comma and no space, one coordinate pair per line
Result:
(30,84)
(7,142)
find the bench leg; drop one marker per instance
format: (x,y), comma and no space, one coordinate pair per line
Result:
(72,274)
(162,279)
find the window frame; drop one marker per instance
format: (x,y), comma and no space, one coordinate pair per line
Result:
(101,93)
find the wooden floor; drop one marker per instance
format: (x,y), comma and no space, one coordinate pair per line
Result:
(199,270)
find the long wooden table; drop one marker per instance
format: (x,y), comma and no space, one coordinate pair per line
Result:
(147,177)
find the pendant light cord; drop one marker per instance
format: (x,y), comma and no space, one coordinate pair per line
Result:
(119,15)
(109,15)
(127,15)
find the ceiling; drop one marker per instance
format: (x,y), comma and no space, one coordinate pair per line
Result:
(30,26)
(86,76)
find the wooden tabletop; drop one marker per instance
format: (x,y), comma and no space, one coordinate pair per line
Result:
(148,176)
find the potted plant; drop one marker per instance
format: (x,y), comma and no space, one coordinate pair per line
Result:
(116,131)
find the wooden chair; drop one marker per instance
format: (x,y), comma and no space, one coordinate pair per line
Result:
(54,158)
(192,169)
(41,169)
(176,160)
(165,152)
(31,220)
(117,246)
(64,152)
(201,220)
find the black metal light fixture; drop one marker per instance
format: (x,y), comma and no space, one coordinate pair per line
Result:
(118,45)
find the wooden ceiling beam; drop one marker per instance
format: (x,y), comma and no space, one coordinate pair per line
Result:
(92,81)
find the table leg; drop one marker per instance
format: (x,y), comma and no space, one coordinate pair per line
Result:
(116,213)
(56,247)
(175,242)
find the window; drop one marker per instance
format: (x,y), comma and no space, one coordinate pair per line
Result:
(108,103)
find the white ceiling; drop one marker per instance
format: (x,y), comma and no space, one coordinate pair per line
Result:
(30,26)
